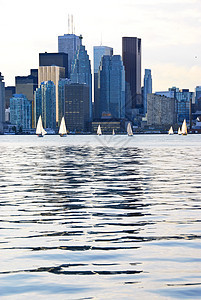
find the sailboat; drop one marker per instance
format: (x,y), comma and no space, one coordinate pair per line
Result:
(184,128)
(62,128)
(179,131)
(40,131)
(113,132)
(99,132)
(129,130)
(171,130)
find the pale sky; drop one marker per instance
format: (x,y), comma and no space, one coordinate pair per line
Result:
(170,31)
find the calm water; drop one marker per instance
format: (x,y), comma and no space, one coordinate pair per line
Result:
(87,217)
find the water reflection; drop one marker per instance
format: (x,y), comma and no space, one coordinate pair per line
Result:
(120,214)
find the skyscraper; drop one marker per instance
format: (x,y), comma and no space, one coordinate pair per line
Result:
(147,88)
(2,102)
(52,73)
(99,51)
(81,71)
(54,59)
(111,83)
(131,54)
(45,104)
(69,44)
(21,112)
(77,113)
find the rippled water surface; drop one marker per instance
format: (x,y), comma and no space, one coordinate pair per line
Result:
(109,217)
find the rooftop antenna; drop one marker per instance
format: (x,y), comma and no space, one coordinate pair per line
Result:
(72,23)
(101,43)
(68,24)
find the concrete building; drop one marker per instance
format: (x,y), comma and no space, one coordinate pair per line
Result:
(45,104)
(111,85)
(160,111)
(69,44)
(99,52)
(77,109)
(81,72)
(21,112)
(2,103)
(54,59)
(147,89)
(54,74)
(131,55)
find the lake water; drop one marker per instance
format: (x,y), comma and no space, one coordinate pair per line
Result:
(109,217)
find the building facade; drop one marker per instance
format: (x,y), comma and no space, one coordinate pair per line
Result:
(77,113)
(131,54)
(81,72)
(111,85)
(45,104)
(54,59)
(69,44)
(61,90)
(21,112)
(2,103)
(147,88)
(99,52)
(160,111)
(9,92)
(54,74)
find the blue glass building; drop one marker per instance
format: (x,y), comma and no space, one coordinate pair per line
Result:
(111,83)
(147,88)
(20,112)
(81,72)
(45,104)
(61,97)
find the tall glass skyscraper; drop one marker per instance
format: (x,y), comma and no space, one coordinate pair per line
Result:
(45,104)
(2,102)
(99,51)
(147,88)
(21,111)
(81,71)
(111,83)
(131,54)
(69,43)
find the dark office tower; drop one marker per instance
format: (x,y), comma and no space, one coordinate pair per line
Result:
(99,51)
(81,71)
(147,88)
(77,113)
(9,92)
(2,102)
(131,54)
(54,59)
(26,85)
(111,83)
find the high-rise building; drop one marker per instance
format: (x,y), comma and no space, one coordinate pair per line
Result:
(45,104)
(54,59)
(99,51)
(147,88)
(131,54)
(77,113)
(160,111)
(69,44)
(81,72)
(2,102)
(61,90)
(26,85)
(54,74)
(111,83)
(20,112)
(9,92)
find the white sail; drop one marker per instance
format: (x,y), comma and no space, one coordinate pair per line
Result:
(39,129)
(113,132)
(171,130)
(129,129)
(184,128)
(179,131)
(99,130)
(62,129)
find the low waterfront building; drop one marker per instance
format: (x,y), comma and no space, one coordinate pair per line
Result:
(2,103)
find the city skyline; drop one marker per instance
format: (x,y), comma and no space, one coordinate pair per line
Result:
(169,31)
